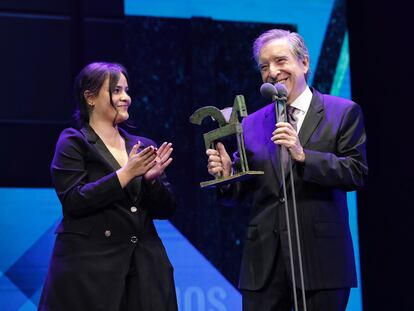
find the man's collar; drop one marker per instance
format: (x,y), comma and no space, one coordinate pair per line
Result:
(303,101)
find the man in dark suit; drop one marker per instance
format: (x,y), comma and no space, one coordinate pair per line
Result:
(327,145)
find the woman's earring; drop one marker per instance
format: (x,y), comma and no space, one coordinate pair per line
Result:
(91,104)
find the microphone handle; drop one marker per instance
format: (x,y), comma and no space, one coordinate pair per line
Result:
(278,114)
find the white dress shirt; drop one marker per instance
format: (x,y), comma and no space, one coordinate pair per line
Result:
(302,104)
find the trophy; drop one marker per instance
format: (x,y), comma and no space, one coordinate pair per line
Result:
(228,125)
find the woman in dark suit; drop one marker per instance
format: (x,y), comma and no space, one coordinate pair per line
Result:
(107,254)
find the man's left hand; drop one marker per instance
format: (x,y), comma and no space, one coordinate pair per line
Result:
(285,135)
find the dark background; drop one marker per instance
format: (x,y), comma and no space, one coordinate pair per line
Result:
(179,65)
(380,36)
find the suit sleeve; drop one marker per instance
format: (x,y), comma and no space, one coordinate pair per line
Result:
(70,178)
(346,168)
(159,198)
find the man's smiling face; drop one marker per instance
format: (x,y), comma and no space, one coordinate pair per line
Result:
(278,64)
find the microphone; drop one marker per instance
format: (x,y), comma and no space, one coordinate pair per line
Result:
(269,91)
(276,93)
(281,91)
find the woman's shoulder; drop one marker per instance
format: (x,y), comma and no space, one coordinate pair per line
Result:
(70,137)
(71,133)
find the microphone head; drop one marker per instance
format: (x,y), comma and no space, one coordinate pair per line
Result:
(268,91)
(281,90)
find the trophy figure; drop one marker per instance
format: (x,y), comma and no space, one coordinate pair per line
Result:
(227,126)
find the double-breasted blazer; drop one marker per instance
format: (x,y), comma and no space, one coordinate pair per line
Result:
(106,230)
(333,138)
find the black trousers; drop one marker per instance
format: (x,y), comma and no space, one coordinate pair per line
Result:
(277,295)
(88,274)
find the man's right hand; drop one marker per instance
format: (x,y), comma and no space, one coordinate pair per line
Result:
(219,162)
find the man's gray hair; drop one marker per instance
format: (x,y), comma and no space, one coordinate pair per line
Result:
(297,44)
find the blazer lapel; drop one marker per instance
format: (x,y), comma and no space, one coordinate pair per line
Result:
(100,147)
(312,118)
(129,140)
(134,187)
(310,123)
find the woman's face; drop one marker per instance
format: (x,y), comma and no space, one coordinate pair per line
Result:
(103,110)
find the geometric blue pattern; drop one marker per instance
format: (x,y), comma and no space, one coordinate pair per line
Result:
(199,285)
(25,215)
(29,271)
(29,217)
(11,298)
(355,298)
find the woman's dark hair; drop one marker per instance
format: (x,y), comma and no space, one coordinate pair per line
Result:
(91,78)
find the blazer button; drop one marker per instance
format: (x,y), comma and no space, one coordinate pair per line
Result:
(108,233)
(134,209)
(282,200)
(134,239)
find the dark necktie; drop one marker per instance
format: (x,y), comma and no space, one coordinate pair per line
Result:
(291,117)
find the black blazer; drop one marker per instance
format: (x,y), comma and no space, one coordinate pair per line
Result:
(104,228)
(333,138)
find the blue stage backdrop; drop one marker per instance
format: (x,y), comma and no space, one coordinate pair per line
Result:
(183,55)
